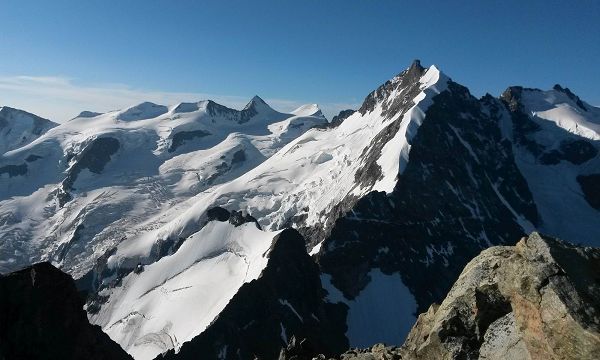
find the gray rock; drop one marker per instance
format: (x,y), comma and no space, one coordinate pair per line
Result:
(538,299)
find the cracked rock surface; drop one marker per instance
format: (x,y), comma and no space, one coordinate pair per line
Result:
(539,299)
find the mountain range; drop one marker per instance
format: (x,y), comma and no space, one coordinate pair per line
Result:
(199,229)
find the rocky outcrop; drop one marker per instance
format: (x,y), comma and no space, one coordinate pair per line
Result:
(42,317)
(94,157)
(536,300)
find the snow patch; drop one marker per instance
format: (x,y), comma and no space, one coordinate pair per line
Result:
(384,311)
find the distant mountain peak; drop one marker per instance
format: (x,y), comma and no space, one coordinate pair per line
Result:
(257,103)
(88,114)
(6,110)
(416,65)
(571,96)
(19,128)
(145,110)
(308,110)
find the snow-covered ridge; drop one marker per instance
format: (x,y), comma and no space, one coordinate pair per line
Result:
(307,178)
(563,111)
(308,110)
(160,156)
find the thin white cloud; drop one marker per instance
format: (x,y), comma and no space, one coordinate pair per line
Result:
(60,98)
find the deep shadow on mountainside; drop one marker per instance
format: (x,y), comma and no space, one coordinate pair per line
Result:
(42,317)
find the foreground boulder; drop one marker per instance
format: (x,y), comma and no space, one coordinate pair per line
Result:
(42,317)
(539,299)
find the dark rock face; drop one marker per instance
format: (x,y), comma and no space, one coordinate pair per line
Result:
(590,185)
(574,151)
(286,301)
(238,157)
(14,170)
(181,137)
(94,158)
(450,203)
(523,125)
(217,213)
(339,118)
(236,218)
(32,158)
(243,116)
(408,77)
(571,96)
(42,317)
(88,114)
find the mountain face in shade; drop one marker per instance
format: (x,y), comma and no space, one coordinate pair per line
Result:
(42,317)
(18,128)
(187,205)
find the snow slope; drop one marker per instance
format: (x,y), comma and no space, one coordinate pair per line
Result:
(383,312)
(176,298)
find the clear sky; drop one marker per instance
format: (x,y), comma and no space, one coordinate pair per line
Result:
(60,57)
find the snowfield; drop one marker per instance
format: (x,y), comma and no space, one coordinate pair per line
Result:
(164,156)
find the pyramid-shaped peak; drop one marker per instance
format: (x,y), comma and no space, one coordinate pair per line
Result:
(416,65)
(257,104)
(257,99)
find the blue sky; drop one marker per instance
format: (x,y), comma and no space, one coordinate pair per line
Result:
(60,57)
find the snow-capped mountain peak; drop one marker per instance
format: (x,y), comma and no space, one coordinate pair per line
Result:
(19,128)
(145,110)
(88,114)
(257,104)
(308,110)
